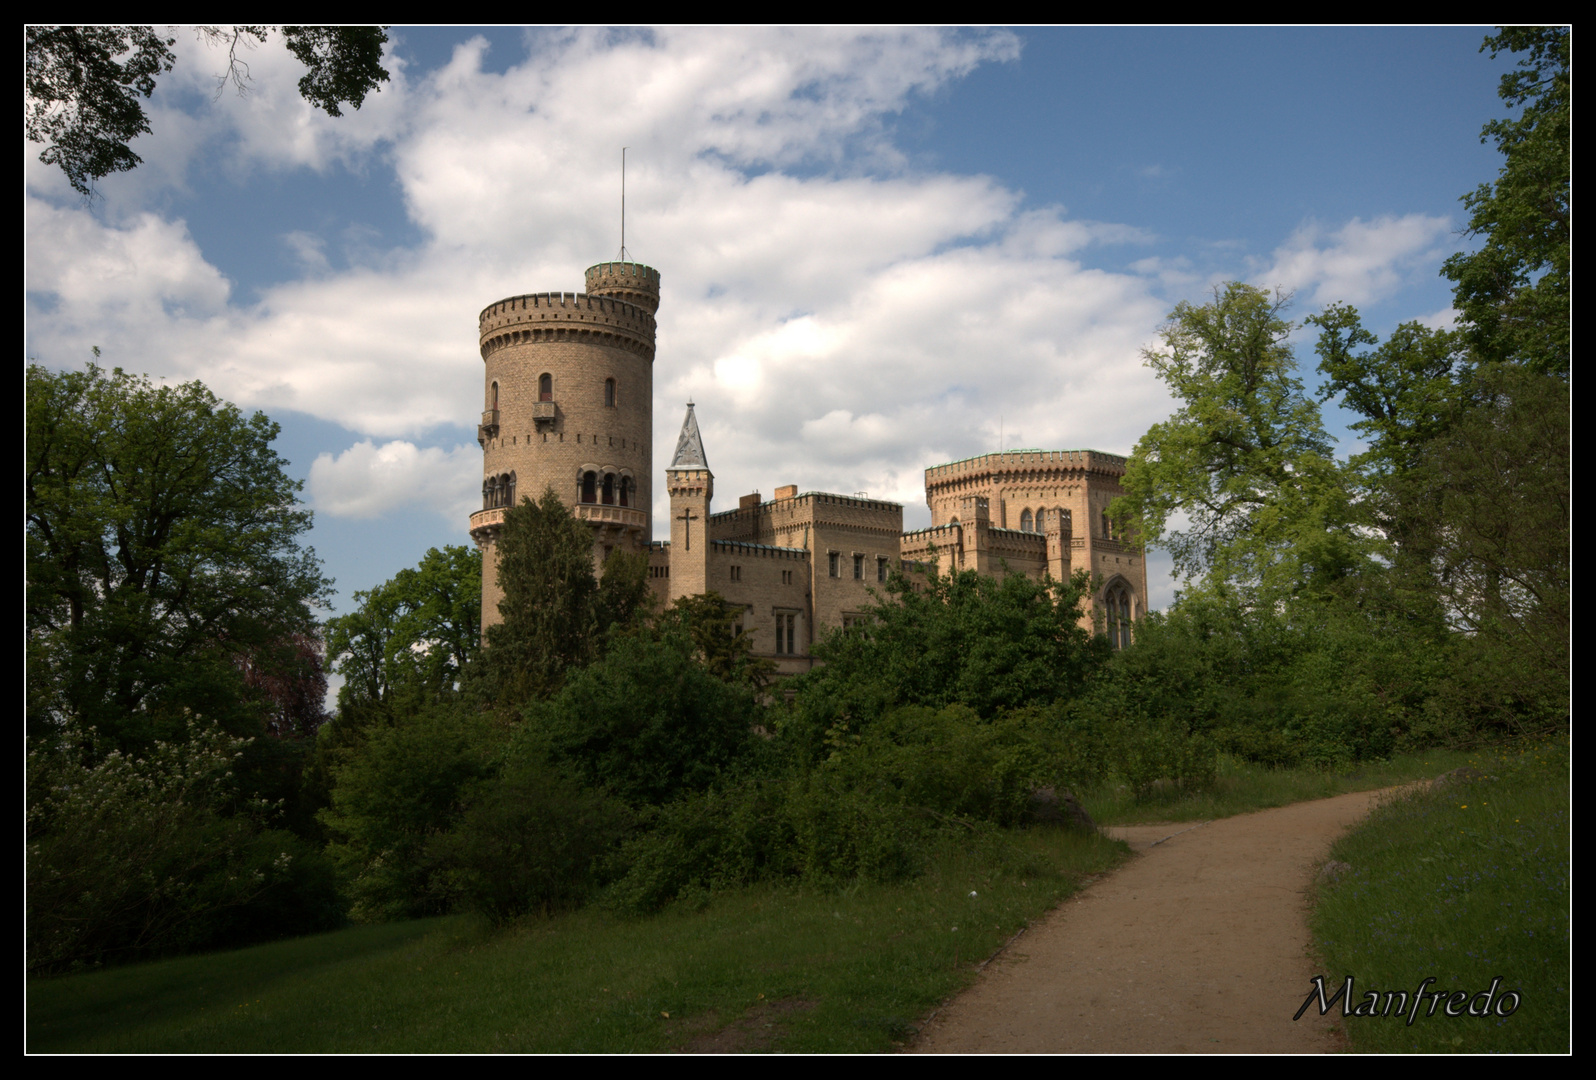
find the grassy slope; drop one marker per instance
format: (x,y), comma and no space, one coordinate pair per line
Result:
(1465,882)
(778,968)
(796,969)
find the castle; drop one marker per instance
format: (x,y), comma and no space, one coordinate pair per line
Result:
(568,404)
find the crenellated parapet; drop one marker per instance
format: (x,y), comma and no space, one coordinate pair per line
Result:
(633,282)
(758,551)
(567,317)
(1013,467)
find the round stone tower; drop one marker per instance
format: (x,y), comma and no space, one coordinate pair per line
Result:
(567,404)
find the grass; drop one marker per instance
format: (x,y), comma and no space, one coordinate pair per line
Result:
(767,968)
(1468,883)
(1464,885)
(1242,787)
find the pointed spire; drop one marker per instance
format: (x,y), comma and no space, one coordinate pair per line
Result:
(689,445)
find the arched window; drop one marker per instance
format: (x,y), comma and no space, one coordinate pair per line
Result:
(1117,609)
(626,490)
(487,493)
(609,393)
(494,398)
(509,490)
(590,487)
(609,489)
(1025,521)
(545,387)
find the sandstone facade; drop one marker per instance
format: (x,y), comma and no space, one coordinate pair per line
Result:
(567,403)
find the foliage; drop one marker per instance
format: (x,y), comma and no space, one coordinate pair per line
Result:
(724,649)
(647,721)
(164,569)
(412,636)
(82,101)
(130,857)
(528,839)
(556,614)
(871,810)
(988,643)
(1244,458)
(1513,294)
(393,794)
(1499,505)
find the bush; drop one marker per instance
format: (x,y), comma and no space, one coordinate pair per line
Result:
(130,857)
(528,839)
(392,795)
(647,722)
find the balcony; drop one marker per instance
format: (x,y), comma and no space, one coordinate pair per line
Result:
(626,517)
(544,413)
(489,428)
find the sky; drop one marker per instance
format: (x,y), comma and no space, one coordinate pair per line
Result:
(879,250)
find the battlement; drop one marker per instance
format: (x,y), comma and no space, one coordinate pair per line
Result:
(791,503)
(1021,461)
(916,537)
(769,551)
(563,316)
(629,281)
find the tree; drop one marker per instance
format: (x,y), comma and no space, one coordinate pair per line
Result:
(1513,294)
(965,638)
(413,635)
(555,611)
(82,84)
(1245,457)
(163,555)
(647,721)
(715,628)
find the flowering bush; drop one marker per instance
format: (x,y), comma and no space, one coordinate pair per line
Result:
(132,856)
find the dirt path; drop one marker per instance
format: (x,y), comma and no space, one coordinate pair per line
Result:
(1199,945)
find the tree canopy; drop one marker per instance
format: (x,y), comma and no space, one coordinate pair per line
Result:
(413,635)
(555,610)
(163,556)
(1513,294)
(964,638)
(1245,457)
(82,84)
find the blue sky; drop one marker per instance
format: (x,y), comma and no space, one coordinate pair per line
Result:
(879,250)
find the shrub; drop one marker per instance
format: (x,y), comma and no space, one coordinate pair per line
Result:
(528,839)
(129,857)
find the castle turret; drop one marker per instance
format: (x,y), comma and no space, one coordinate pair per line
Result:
(568,387)
(691,487)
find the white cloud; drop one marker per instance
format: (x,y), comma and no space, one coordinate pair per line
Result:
(1358,263)
(368,481)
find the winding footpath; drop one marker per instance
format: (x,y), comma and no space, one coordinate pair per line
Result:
(1198,945)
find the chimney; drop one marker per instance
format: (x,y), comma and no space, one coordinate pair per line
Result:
(787,491)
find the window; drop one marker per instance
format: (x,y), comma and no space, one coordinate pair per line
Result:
(858,567)
(786,632)
(736,573)
(495,405)
(786,577)
(545,387)
(1117,608)
(590,487)
(627,486)
(836,570)
(609,393)
(881,569)
(1108,531)
(1025,521)
(609,489)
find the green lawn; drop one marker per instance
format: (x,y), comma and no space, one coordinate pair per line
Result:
(1466,883)
(778,968)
